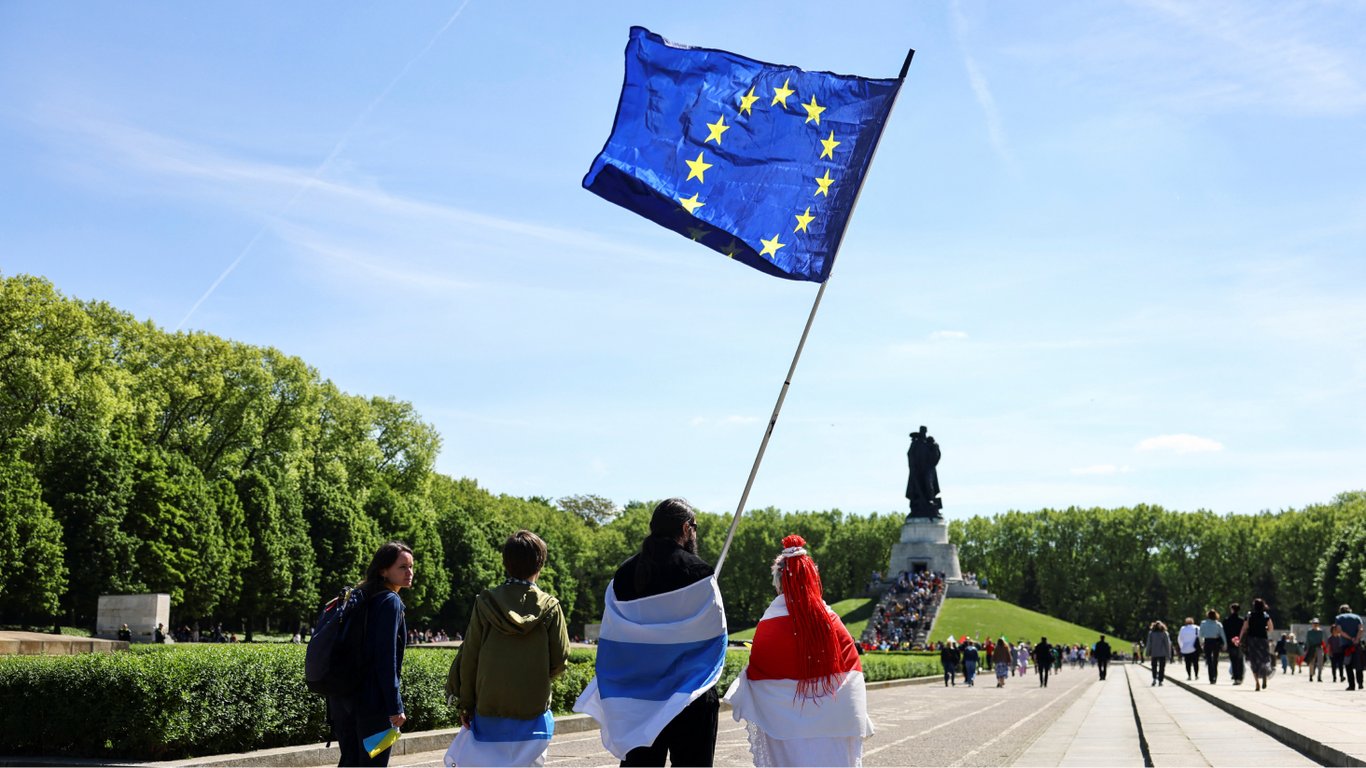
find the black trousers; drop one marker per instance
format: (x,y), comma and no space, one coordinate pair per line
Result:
(1354,664)
(1192,660)
(688,740)
(1043,672)
(1212,646)
(1102,665)
(1235,660)
(1159,666)
(350,728)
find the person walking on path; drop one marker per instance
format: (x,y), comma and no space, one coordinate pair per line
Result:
(802,696)
(1022,659)
(516,643)
(1295,650)
(970,658)
(949,657)
(1353,655)
(1212,639)
(1233,631)
(1002,656)
(1159,649)
(1188,641)
(377,703)
(1281,652)
(1313,650)
(1101,653)
(654,694)
(1043,660)
(1337,648)
(1256,642)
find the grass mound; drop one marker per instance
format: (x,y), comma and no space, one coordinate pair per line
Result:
(994,618)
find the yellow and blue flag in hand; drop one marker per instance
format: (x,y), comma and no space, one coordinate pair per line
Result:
(381,741)
(757,161)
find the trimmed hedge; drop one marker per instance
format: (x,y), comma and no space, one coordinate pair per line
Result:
(171,702)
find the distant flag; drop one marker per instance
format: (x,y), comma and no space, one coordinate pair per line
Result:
(756,161)
(501,741)
(656,655)
(380,741)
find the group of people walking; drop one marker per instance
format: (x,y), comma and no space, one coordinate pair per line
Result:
(1008,660)
(660,655)
(1247,640)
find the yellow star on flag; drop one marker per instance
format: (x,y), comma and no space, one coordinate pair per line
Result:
(717,128)
(813,110)
(803,219)
(696,233)
(829,144)
(780,94)
(771,246)
(824,182)
(691,204)
(731,248)
(747,101)
(697,168)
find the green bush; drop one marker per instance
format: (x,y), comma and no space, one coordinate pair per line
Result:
(164,702)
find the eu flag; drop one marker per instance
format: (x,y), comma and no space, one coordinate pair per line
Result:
(757,161)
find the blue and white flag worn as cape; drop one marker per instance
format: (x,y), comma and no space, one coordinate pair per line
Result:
(656,655)
(501,741)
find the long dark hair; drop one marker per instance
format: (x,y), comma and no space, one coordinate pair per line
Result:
(385,556)
(666,524)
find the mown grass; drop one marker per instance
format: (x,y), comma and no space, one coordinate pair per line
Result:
(980,619)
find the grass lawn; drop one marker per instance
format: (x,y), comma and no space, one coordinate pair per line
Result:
(982,618)
(854,612)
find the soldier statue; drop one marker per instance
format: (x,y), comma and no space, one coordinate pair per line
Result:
(922,487)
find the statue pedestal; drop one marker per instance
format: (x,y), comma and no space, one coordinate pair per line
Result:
(925,546)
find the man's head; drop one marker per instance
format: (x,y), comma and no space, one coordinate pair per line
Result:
(675,519)
(1344,608)
(524,555)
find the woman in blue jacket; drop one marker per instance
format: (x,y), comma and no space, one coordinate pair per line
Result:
(376,704)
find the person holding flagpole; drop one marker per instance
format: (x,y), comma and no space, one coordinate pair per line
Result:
(802,696)
(661,650)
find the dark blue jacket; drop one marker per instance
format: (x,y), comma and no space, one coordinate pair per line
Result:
(386,634)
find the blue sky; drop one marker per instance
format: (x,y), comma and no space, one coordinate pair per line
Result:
(1109,253)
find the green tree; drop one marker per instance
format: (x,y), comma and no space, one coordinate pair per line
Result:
(32,558)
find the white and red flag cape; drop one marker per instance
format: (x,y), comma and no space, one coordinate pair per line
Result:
(792,718)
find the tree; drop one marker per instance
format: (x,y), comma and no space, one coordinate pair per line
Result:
(32,558)
(594,510)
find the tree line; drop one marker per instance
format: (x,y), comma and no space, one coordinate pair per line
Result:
(248,487)
(1117,570)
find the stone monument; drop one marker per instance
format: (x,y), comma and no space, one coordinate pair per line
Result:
(142,613)
(924,544)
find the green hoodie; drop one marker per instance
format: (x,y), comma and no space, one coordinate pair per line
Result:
(516,643)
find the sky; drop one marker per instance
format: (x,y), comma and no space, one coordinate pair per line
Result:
(1109,253)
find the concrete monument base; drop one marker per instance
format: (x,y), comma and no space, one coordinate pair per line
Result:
(925,546)
(142,613)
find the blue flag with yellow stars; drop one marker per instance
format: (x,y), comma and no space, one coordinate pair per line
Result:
(757,161)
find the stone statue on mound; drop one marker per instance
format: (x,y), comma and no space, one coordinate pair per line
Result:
(922,487)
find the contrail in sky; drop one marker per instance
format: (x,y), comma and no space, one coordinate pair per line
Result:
(317,172)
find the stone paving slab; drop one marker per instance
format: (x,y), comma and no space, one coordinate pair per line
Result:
(1322,720)
(1097,729)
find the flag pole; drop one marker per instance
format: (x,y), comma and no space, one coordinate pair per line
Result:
(792,369)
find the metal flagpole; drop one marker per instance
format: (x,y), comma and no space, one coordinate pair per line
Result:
(787,382)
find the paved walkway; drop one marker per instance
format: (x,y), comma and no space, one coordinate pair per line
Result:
(1322,719)
(1077,720)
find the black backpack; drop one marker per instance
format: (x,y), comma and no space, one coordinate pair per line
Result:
(332,662)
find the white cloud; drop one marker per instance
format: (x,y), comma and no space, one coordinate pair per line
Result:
(948,335)
(1180,443)
(1100,469)
(982,90)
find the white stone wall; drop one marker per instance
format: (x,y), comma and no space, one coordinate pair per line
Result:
(140,612)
